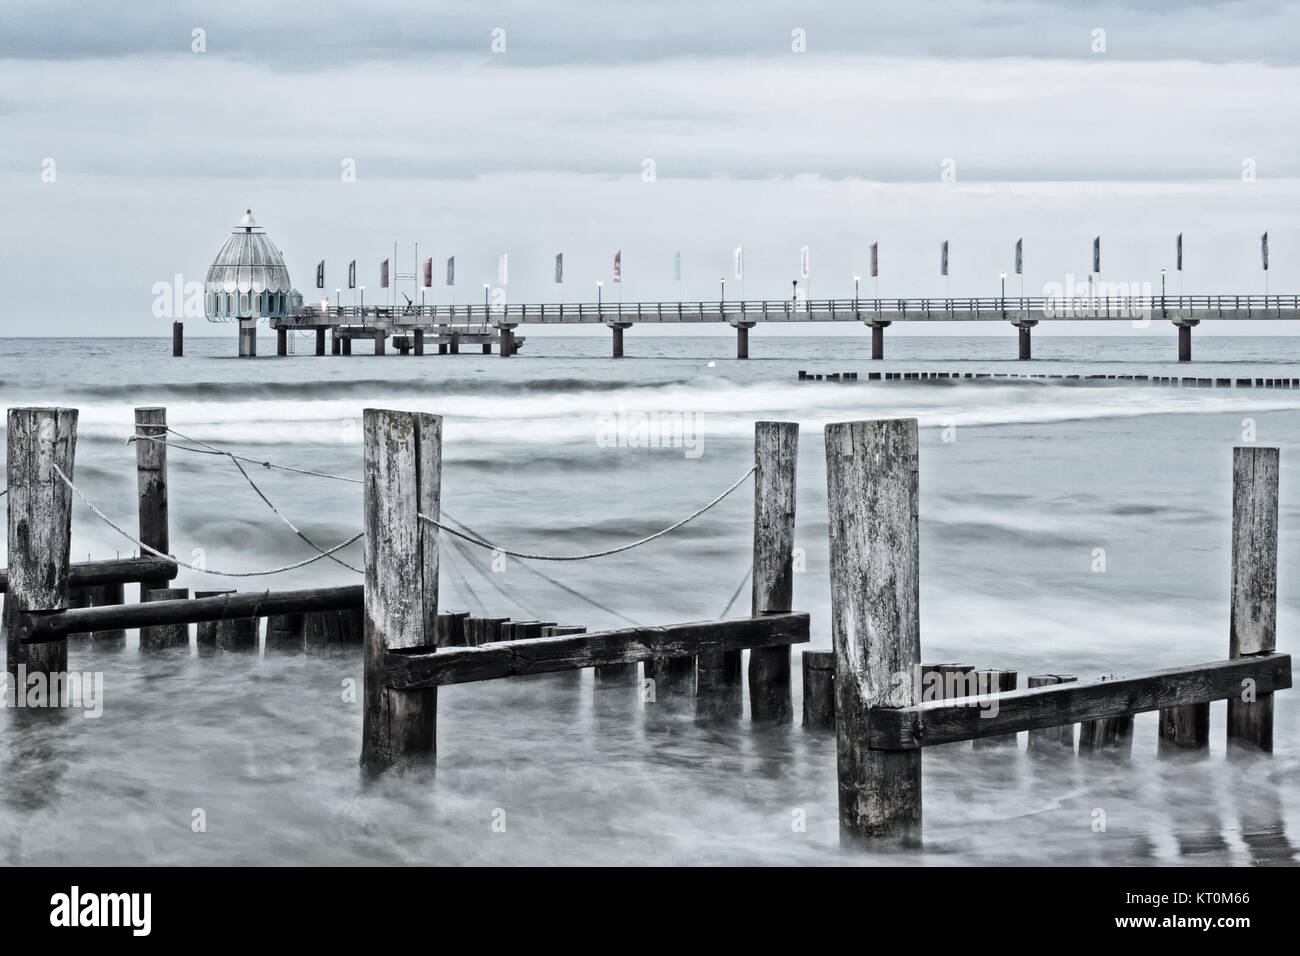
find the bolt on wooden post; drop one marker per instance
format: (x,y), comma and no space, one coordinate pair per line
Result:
(872,499)
(776,451)
(1253,618)
(403,474)
(40,531)
(151,485)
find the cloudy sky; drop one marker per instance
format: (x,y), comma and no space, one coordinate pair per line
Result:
(132,144)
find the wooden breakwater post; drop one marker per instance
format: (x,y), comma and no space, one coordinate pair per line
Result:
(1051,739)
(1253,617)
(151,485)
(818,689)
(161,637)
(995,681)
(403,474)
(776,453)
(39,531)
(872,499)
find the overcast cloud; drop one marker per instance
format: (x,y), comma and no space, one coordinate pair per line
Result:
(544,147)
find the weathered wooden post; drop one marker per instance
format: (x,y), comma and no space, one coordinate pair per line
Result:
(1051,739)
(284,634)
(103,595)
(159,637)
(205,632)
(40,531)
(872,499)
(995,681)
(403,473)
(776,452)
(1253,618)
(151,485)
(819,689)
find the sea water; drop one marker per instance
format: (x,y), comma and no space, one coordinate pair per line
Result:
(1066,527)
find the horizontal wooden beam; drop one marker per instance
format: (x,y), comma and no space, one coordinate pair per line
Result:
(411,668)
(967,718)
(55,625)
(82,574)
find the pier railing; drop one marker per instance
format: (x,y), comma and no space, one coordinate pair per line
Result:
(884,704)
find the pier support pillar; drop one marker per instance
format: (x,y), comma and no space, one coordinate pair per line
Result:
(878,339)
(442,348)
(742,341)
(380,342)
(320,341)
(178,339)
(507,342)
(455,344)
(347,346)
(1185,327)
(336,344)
(487,348)
(419,341)
(618,340)
(247,338)
(1023,327)
(281,342)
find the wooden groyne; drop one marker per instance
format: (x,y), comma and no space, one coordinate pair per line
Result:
(885,704)
(1171,381)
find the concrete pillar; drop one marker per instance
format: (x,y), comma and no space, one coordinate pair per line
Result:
(507,342)
(487,348)
(878,339)
(618,340)
(742,342)
(281,341)
(247,339)
(442,348)
(1184,343)
(455,344)
(336,344)
(1023,331)
(320,341)
(380,341)
(178,339)
(419,341)
(347,346)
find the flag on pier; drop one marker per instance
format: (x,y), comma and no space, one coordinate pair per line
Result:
(677,266)
(875,259)
(1180,252)
(1020,256)
(803,263)
(383,274)
(740,262)
(1096,255)
(320,274)
(428,273)
(352,274)
(451,270)
(618,266)
(559,267)
(503,268)
(943,259)
(1263,249)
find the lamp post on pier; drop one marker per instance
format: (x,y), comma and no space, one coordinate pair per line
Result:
(363,305)
(338,300)
(856,281)
(1164,313)
(487,288)
(1004,295)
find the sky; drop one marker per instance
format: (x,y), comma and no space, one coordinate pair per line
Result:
(133,138)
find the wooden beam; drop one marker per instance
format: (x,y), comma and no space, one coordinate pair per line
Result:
(84,574)
(410,668)
(224,607)
(946,721)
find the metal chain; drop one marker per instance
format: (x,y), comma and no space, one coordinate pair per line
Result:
(524,555)
(185,564)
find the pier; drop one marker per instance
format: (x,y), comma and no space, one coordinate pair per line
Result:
(415,327)
(411,646)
